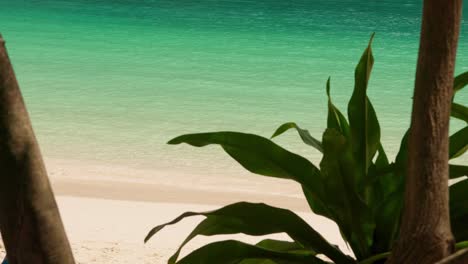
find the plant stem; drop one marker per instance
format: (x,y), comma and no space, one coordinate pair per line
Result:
(375,258)
(461,245)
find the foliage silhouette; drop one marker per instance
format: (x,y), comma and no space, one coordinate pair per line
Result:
(354,165)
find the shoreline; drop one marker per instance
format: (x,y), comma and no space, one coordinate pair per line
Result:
(118,182)
(107,214)
(160,193)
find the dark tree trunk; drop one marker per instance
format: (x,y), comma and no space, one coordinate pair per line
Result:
(30,222)
(425,235)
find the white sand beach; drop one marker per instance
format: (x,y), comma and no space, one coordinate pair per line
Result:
(106,218)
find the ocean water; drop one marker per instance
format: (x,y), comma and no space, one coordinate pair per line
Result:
(113,81)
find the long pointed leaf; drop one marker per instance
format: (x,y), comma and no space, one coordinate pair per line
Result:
(365,128)
(382,160)
(458,143)
(401,159)
(460,81)
(335,118)
(283,246)
(354,217)
(262,156)
(457,171)
(460,112)
(258,261)
(459,209)
(303,133)
(385,179)
(256,154)
(233,252)
(257,220)
(387,221)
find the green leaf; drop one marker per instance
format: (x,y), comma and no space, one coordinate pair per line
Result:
(460,112)
(257,154)
(316,205)
(365,128)
(352,215)
(401,159)
(459,209)
(387,221)
(460,81)
(457,171)
(262,156)
(277,245)
(382,160)
(373,259)
(257,220)
(385,181)
(257,261)
(458,143)
(234,252)
(335,118)
(304,134)
(461,245)
(283,246)
(385,178)
(386,201)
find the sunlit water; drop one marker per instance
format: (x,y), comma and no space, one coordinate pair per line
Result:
(113,81)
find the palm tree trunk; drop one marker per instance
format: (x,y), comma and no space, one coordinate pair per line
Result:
(425,235)
(30,222)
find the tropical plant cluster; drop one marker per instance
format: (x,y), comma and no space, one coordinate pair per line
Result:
(355,185)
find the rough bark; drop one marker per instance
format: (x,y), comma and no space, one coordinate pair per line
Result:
(30,222)
(425,235)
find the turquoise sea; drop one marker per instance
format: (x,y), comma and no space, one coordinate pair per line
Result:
(112,81)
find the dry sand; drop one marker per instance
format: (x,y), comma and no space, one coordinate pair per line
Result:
(106,218)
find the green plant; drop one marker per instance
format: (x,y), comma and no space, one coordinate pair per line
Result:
(354,164)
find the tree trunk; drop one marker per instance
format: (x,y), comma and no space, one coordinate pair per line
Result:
(30,222)
(425,235)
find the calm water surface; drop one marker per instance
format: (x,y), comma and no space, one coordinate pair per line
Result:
(112,81)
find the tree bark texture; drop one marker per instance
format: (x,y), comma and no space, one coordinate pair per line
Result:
(425,234)
(30,222)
